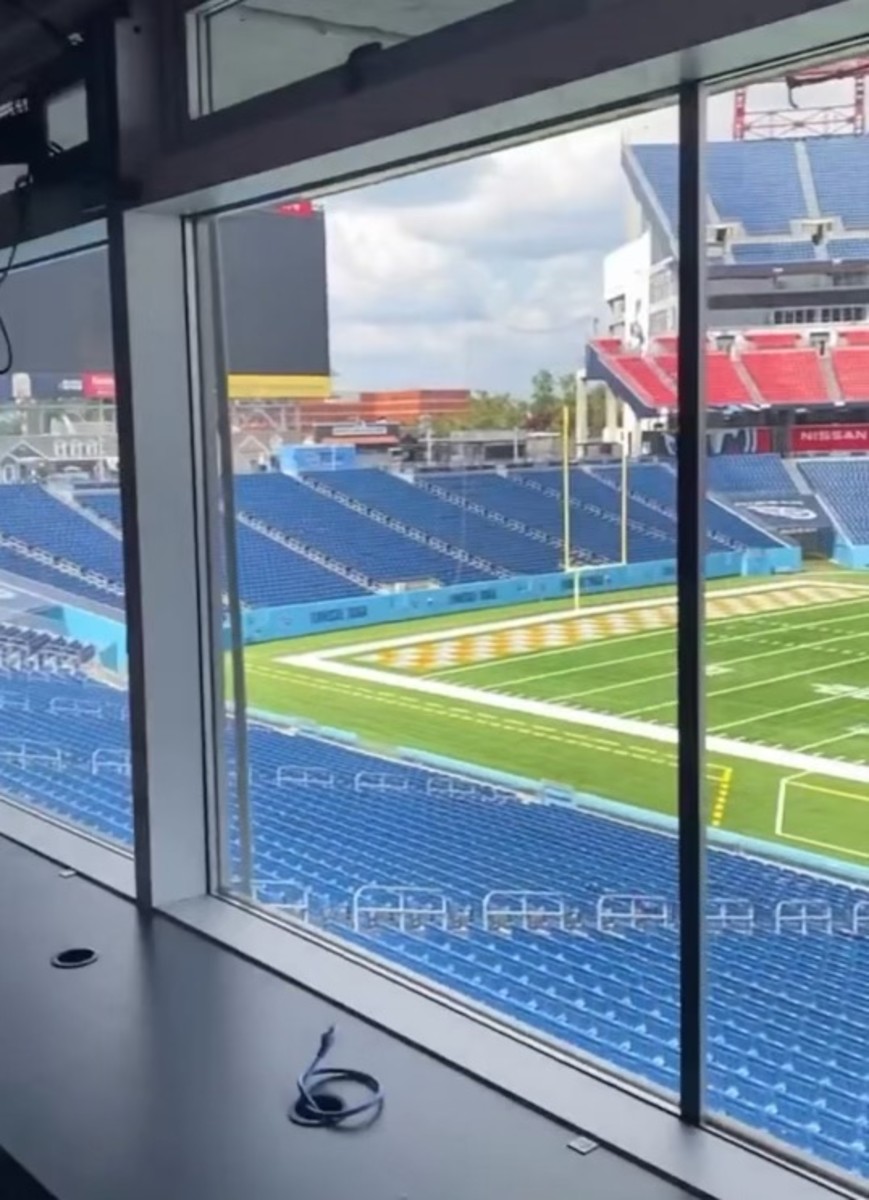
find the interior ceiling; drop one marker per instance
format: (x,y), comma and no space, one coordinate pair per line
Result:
(33,33)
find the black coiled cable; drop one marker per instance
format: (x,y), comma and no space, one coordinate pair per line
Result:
(317,1108)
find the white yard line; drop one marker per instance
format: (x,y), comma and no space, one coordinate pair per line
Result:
(665,734)
(771,714)
(732,662)
(832,666)
(609,687)
(563,615)
(853,732)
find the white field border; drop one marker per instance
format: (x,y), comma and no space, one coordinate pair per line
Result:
(328,661)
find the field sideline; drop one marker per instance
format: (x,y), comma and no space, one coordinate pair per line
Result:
(587,699)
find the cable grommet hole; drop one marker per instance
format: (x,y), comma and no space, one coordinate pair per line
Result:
(75,956)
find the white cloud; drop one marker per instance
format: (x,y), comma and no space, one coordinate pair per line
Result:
(480,272)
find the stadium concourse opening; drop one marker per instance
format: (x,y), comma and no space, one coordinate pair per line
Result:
(446,594)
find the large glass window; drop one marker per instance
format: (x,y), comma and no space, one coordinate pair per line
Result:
(64,728)
(241,49)
(452,672)
(786,653)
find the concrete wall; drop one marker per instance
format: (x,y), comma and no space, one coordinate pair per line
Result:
(851,556)
(108,635)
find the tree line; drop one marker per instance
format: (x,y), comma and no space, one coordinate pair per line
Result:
(540,411)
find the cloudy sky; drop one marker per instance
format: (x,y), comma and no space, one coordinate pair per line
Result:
(478,273)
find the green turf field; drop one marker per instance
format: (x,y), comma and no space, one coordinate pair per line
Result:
(588,699)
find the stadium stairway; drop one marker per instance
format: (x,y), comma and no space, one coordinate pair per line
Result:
(518,905)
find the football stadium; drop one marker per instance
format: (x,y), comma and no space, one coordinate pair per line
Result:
(488,654)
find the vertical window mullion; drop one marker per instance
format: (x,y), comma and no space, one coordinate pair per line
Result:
(691,542)
(218,487)
(165,630)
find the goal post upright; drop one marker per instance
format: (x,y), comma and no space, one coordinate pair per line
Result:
(624,502)
(565,483)
(566,516)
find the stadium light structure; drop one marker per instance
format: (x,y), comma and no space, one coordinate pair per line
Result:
(815,120)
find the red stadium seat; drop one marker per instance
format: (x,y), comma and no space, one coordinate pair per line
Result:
(852,371)
(854,337)
(724,384)
(641,373)
(787,376)
(773,341)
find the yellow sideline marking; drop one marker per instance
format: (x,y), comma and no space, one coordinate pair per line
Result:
(719,804)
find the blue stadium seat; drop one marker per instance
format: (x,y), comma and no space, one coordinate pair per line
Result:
(452,523)
(749,475)
(773,252)
(843,485)
(18,563)
(269,573)
(840,168)
(738,178)
(105,503)
(657,484)
(30,513)
(378,550)
(849,247)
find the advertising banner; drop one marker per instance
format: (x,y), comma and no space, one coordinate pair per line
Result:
(826,439)
(98,385)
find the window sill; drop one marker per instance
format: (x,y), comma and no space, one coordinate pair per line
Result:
(73,850)
(636,1126)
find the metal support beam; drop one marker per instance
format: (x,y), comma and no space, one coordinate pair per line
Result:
(691,543)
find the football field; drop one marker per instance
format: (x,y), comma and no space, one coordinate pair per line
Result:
(587,698)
